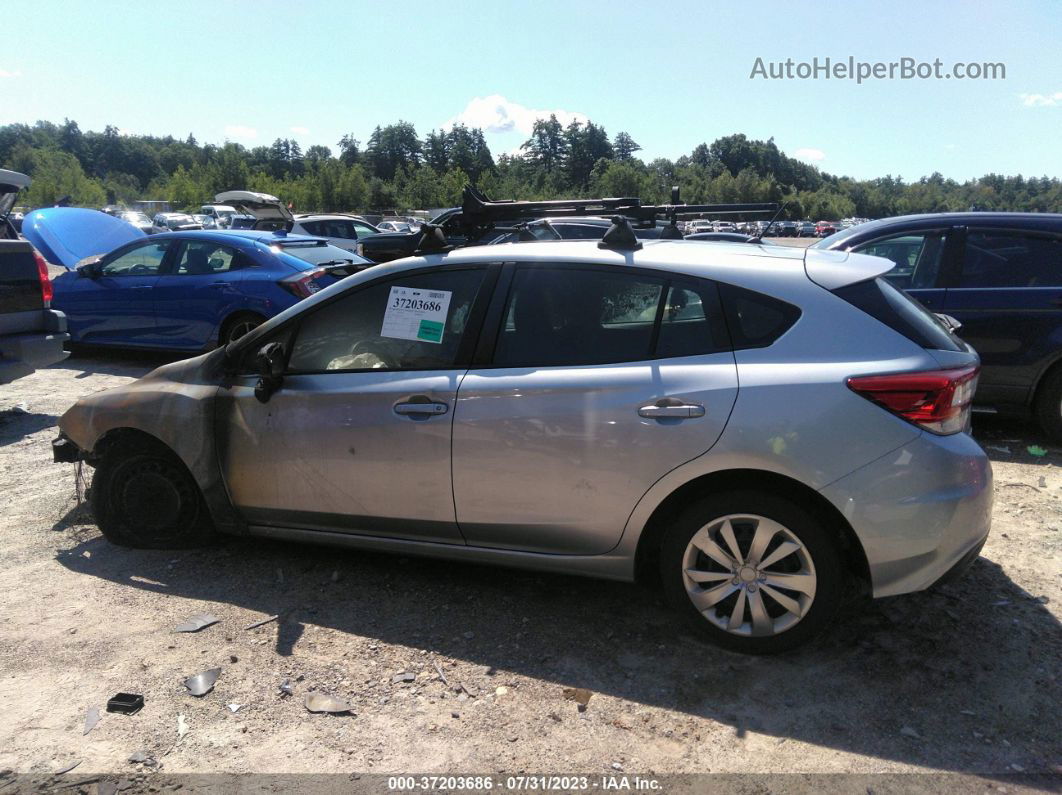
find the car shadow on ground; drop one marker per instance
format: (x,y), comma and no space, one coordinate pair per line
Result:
(973,664)
(18,423)
(89,360)
(1013,440)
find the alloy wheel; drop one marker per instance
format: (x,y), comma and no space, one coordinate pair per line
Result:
(749,575)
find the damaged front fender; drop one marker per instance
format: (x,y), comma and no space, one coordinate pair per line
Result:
(175,405)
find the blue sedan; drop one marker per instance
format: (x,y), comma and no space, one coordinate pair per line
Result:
(193,290)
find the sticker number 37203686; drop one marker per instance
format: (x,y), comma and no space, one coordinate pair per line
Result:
(415,314)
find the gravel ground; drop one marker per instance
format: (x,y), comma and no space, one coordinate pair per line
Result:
(459,668)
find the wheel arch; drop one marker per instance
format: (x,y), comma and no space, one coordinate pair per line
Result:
(647,553)
(232,317)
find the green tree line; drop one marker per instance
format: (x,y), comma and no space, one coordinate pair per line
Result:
(397,168)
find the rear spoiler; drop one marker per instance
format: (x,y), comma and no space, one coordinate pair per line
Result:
(835,269)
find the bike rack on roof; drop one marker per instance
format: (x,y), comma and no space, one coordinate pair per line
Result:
(479,215)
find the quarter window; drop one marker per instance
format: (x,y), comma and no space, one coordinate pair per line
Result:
(916,258)
(141,261)
(1011,259)
(409,323)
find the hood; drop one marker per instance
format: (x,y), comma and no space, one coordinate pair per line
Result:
(67,235)
(11,182)
(268,211)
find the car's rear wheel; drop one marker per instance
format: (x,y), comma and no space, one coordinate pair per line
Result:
(1049,405)
(144,496)
(238,325)
(752,571)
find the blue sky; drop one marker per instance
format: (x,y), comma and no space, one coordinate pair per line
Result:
(671,75)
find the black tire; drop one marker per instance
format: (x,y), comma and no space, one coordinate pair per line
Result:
(1049,405)
(818,543)
(143,496)
(238,325)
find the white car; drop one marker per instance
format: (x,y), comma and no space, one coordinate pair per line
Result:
(220,213)
(341,231)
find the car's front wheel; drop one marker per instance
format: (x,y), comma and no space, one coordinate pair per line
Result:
(144,496)
(752,571)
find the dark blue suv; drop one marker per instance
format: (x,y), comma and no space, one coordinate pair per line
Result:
(1000,276)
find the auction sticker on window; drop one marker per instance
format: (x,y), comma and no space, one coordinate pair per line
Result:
(414,314)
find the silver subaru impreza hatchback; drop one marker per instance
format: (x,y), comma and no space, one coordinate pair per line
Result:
(756,428)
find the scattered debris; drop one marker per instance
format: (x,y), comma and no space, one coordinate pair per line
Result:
(439,671)
(142,757)
(580,695)
(469,635)
(126,703)
(469,693)
(1042,482)
(196,623)
(335,576)
(1036,450)
(1042,599)
(501,691)
(403,677)
(907,731)
(1017,768)
(182,726)
(233,658)
(455,715)
(968,712)
(321,702)
(202,683)
(997,448)
(92,717)
(234,708)
(617,766)
(68,767)
(257,624)
(1001,603)
(286,688)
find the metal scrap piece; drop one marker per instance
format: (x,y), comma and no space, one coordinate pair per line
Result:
(321,702)
(195,623)
(257,624)
(92,717)
(202,683)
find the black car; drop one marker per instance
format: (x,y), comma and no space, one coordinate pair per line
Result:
(1000,276)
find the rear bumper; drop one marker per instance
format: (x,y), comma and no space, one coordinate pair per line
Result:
(921,513)
(23,352)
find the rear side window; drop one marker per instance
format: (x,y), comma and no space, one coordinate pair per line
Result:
(1011,259)
(563,316)
(755,320)
(916,256)
(572,317)
(901,313)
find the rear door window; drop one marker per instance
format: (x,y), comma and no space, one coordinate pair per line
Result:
(1011,259)
(916,258)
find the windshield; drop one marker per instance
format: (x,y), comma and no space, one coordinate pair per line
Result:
(321,255)
(136,218)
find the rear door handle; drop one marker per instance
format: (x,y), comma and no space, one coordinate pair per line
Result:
(219,285)
(671,410)
(429,409)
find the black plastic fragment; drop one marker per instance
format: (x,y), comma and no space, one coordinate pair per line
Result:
(126,703)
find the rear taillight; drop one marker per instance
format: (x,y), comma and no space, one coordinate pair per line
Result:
(304,284)
(46,283)
(937,400)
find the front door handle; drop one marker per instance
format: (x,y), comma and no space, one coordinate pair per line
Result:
(421,409)
(667,410)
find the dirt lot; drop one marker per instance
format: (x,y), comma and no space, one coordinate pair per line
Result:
(962,679)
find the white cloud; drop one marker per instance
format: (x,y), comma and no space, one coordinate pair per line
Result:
(300,130)
(240,131)
(496,114)
(7,73)
(807,153)
(1041,100)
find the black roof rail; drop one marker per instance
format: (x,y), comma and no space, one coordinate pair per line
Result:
(478,215)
